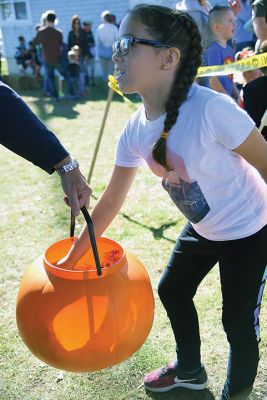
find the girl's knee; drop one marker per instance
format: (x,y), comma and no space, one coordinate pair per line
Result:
(240,329)
(171,289)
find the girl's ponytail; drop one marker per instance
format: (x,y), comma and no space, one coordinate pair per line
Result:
(185,75)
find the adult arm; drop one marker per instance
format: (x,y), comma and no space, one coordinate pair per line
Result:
(70,40)
(104,212)
(215,84)
(259,14)
(24,134)
(260,28)
(36,40)
(84,48)
(235,93)
(254,150)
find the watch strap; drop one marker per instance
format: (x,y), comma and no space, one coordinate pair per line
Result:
(64,169)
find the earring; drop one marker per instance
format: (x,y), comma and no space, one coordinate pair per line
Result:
(163,67)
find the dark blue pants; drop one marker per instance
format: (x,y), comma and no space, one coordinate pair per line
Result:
(50,74)
(243,272)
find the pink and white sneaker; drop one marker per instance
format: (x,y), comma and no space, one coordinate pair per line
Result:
(168,378)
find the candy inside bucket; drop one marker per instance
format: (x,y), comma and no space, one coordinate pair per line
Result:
(110,258)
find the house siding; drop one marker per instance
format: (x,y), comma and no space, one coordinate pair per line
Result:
(64,9)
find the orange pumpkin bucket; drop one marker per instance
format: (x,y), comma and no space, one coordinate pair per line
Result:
(79,320)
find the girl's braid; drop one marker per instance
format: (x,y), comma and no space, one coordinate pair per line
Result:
(185,75)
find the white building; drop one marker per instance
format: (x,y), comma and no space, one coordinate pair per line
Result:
(19,17)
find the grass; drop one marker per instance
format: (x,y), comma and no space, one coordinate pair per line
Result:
(33,216)
(4,67)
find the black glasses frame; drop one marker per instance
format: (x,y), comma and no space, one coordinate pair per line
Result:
(116,47)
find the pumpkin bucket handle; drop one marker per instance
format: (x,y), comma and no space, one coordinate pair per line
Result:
(90,227)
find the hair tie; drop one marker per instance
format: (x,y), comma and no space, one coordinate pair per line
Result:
(164,135)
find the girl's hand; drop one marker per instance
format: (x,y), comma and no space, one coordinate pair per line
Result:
(65,263)
(75,253)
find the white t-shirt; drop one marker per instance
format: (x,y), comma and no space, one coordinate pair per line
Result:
(106,34)
(218,191)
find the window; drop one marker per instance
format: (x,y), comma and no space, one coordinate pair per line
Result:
(13,10)
(20,10)
(5,10)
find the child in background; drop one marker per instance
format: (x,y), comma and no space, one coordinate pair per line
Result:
(23,55)
(207,151)
(222,26)
(74,72)
(77,51)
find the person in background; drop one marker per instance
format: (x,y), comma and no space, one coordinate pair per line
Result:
(51,40)
(199,10)
(23,55)
(242,36)
(247,76)
(74,72)
(37,58)
(89,57)
(38,46)
(28,137)
(255,95)
(76,37)
(106,34)
(113,19)
(34,62)
(259,19)
(222,25)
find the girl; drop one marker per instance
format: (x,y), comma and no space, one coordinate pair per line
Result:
(207,151)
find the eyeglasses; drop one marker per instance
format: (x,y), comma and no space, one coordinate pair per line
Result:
(123,45)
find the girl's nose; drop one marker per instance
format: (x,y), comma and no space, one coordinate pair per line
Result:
(116,56)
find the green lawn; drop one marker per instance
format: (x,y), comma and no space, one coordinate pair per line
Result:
(4,67)
(33,216)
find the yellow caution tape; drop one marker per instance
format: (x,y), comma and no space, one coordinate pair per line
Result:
(247,64)
(113,84)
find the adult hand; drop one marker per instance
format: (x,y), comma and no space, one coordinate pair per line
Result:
(235,6)
(76,189)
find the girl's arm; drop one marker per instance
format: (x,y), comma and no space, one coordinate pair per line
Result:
(254,150)
(104,212)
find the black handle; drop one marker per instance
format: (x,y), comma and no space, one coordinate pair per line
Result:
(90,227)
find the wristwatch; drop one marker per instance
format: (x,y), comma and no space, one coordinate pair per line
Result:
(64,169)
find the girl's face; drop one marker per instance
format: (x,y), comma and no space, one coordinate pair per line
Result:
(139,70)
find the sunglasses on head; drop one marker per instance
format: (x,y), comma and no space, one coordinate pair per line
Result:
(123,45)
